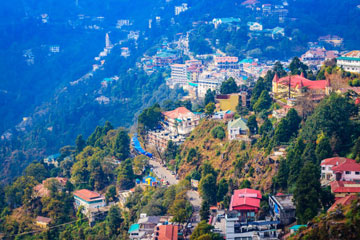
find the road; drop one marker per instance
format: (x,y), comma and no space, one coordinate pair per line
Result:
(195,201)
(163,173)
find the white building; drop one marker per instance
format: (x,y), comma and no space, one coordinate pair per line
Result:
(178,75)
(89,200)
(255,26)
(122,22)
(339,169)
(181,121)
(182,8)
(350,61)
(207,82)
(54,48)
(237,129)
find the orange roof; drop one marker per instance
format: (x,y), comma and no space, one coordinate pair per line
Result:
(177,113)
(347,166)
(43,219)
(167,232)
(87,195)
(335,161)
(342,201)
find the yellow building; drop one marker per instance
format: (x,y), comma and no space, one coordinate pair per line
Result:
(227,102)
(42,222)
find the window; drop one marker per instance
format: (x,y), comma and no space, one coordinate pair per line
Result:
(323,168)
(357,173)
(347,172)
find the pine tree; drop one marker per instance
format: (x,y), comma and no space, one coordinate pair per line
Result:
(263,103)
(207,187)
(223,188)
(80,143)
(282,176)
(121,146)
(252,124)
(323,148)
(209,97)
(307,193)
(204,211)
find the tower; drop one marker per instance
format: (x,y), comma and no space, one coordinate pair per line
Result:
(328,87)
(108,44)
(275,83)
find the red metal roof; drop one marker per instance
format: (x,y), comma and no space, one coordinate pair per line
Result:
(245,203)
(87,195)
(347,166)
(342,201)
(345,187)
(247,192)
(335,161)
(167,232)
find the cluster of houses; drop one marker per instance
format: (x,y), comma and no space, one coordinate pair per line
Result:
(241,220)
(343,176)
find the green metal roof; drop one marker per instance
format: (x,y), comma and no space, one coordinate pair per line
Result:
(193,84)
(349,58)
(134,227)
(238,123)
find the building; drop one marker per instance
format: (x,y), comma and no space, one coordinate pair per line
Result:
(334,40)
(180,121)
(238,130)
(342,189)
(339,169)
(282,208)
(182,8)
(296,228)
(219,21)
(227,101)
(240,220)
(165,57)
(350,61)
(54,49)
(125,52)
(255,26)
(161,137)
(43,222)
(145,227)
(108,44)
(150,181)
(208,81)
(122,22)
(297,84)
(135,233)
(227,114)
(226,62)
(166,232)
(89,200)
(52,160)
(179,75)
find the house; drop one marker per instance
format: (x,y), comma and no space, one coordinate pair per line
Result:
(135,233)
(237,129)
(43,222)
(52,160)
(296,228)
(350,61)
(240,220)
(282,208)
(255,26)
(182,8)
(342,202)
(281,113)
(344,188)
(339,169)
(161,137)
(332,39)
(224,115)
(181,120)
(219,21)
(166,232)
(89,200)
(277,32)
(145,227)
(297,84)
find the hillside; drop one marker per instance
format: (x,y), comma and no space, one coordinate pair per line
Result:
(233,159)
(340,224)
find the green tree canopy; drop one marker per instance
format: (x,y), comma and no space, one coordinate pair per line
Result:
(121,146)
(229,86)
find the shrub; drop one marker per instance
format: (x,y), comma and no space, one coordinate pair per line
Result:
(218,132)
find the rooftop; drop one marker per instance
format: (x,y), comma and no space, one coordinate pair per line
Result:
(342,201)
(88,195)
(335,161)
(43,219)
(285,201)
(134,227)
(167,232)
(298,81)
(347,166)
(179,113)
(238,123)
(345,187)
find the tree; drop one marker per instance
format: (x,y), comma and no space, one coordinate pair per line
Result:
(181,208)
(38,171)
(252,124)
(121,146)
(263,103)
(141,162)
(266,127)
(110,193)
(307,193)
(258,89)
(356,150)
(207,189)
(297,67)
(149,118)
(203,232)
(209,97)
(204,211)
(223,188)
(218,132)
(293,121)
(229,86)
(80,143)
(171,151)
(125,177)
(323,148)
(210,108)
(282,176)
(114,219)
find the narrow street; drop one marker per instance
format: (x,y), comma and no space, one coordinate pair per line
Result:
(162,173)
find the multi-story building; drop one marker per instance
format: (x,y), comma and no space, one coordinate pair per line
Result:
(339,169)
(226,62)
(180,121)
(255,26)
(89,200)
(166,232)
(182,8)
(350,61)
(332,39)
(238,129)
(342,189)
(231,20)
(179,75)
(282,208)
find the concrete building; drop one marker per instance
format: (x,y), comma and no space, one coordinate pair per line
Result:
(282,208)
(350,61)
(182,8)
(255,26)
(226,62)
(89,200)
(43,222)
(342,189)
(166,232)
(180,121)
(219,21)
(52,160)
(179,75)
